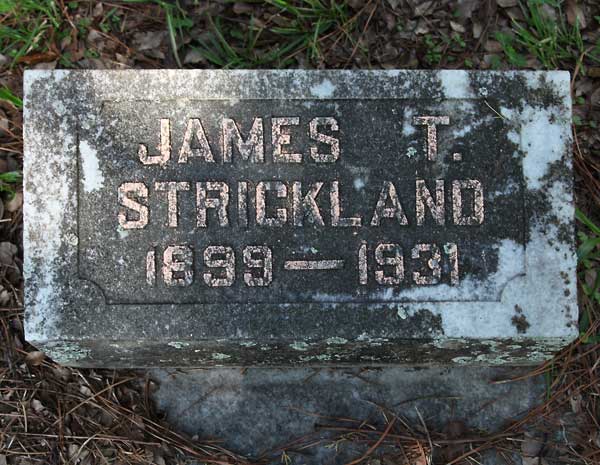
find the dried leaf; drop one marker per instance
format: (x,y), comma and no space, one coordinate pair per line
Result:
(593,71)
(98,10)
(35,58)
(590,276)
(575,14)
(457,27)
(466,7)
(15,203)
(390,21)
(65,42)
(194,56)
(575,401)
(515,14)
(4,297)
(595,439)
(47,65)
(477,29)
(493,46)
(3,123)
(507,3)
(422,7)
(549,11)
(242,8)
(149,40)
(422,28)
(595,97)
(8,250)
(37,406)
(94,36)
(35,358)
(62,373)
(73,451)
(86,391)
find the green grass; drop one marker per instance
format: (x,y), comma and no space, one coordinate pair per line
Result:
(555,43)
(9,181)
(7,95)
(444,47)
(31,24)
(177,22)
(588,254)
(300,29)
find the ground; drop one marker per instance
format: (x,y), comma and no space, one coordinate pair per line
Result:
(54,414)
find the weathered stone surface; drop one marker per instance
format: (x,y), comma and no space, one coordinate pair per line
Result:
(259,410)
(283,217)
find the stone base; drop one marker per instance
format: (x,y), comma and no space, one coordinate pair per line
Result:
(260,409)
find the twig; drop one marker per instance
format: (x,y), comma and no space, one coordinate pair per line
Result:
(376,445)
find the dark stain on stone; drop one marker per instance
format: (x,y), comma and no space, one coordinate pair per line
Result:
(565,277)
(427,322)
(519,320)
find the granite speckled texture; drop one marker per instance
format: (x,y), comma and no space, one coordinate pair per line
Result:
(94,298)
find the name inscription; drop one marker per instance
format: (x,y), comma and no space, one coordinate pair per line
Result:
(282,201)
(293,203)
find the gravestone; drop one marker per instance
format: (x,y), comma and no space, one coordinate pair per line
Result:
(181,218)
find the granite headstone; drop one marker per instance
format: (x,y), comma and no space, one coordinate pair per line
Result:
(181,218)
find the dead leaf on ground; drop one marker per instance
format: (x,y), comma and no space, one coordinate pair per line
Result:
(148,40)
(493,46)
(194,56)
(98,10)
(507,3)
(465,8)
(242,8)
(457,27)
(15,203)
(7,252)
(575,14)
(35,358)
(3,124)
(37,406)
(35,58)
(594,71)
(575,401)
(422,7)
